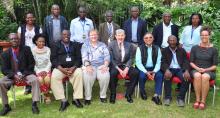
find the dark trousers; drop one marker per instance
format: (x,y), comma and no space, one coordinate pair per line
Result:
(133,75)
(168,83)
(158,81)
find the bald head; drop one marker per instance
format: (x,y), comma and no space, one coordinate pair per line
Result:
(82,12)
(172,41)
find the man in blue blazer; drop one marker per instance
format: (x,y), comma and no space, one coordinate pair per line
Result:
(135,27)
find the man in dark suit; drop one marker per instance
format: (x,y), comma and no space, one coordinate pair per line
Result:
(18,65)
(107,29)
(121,63)
(135,27)
(66,61)
(175,63)
(162,31)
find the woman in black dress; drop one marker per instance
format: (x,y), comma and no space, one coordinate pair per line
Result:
(203,60)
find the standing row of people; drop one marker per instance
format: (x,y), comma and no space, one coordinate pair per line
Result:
(83,55)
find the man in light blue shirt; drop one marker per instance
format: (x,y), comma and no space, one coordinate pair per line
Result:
(148,61)
(80,27)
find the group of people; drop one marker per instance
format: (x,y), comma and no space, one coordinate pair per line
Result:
(43,58)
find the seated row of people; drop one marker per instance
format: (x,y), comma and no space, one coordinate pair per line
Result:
(94,60)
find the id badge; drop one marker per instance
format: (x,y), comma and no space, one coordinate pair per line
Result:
(84,36)
(68,59)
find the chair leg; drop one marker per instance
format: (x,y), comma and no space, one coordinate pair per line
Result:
(66,89)
(13,95)
(213,101)
(186,96)
(138,90)
(189,93)
(162,92)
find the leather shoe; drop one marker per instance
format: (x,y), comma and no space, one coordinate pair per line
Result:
(87,102)
(129,98)
(5,111)
(63,106)
(143,96)
(156,100)
(77,103)
(112,98)
(103,100)
(35,110)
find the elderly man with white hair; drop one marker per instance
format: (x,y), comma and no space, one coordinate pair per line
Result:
(121,64)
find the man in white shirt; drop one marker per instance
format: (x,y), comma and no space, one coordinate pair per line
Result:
(162,31)
(80,26)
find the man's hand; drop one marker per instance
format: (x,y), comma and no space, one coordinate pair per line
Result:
(168,74)
(63,70)
(186,75)
(150,75)
(125,72)
(71,70)
(89,69)
(103,68)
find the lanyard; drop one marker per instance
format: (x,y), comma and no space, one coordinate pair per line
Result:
(83,22)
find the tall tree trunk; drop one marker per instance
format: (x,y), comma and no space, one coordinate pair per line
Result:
(9,6)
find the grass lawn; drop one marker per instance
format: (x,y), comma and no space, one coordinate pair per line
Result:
(120,109)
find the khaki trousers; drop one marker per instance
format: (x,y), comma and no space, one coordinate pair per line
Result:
(75,79)
(89,79)
(32,80)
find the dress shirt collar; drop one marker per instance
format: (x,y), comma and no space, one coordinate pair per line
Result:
(173,51)
(52,16)
(164,25)
(134,19)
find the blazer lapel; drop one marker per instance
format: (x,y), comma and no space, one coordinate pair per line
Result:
(161,29)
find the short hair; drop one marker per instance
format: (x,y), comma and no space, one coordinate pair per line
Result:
(37,36)
(172,36)
(136,7)
(94,30)
(55,5)
(166,13)
(206,28)
(9,35)
(109,11)
(149,33)
(82,7)
(200,18)
(119,31)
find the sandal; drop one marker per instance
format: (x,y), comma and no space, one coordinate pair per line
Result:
(196,105)
(202,106)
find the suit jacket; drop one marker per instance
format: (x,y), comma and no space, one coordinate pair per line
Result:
(48,27)
(103,31)
(141,30)
(167,58)
(59,55)
(115,54)
(158,33)
(25,62)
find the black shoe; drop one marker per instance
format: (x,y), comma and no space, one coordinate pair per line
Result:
(87,102)
(77,103)
(63,106)
(112,98)
(5,111)
(143,96)
(27,90)
(156,100)
(35,110)
(129,98)
(103,100)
